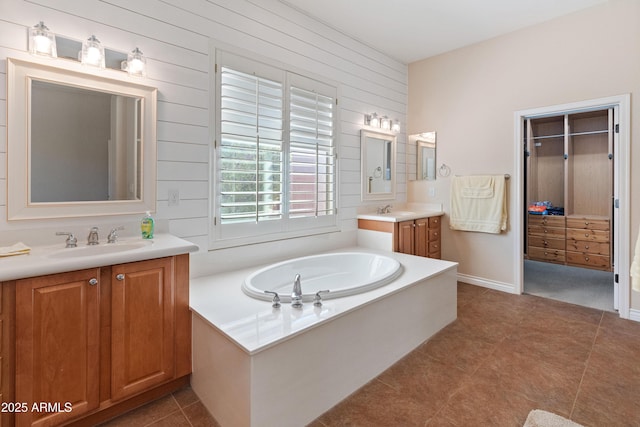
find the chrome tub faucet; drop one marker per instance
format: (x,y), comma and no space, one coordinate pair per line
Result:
(296,295)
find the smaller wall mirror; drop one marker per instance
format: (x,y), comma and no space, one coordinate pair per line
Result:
(78,144)
(378,165)
(421,156)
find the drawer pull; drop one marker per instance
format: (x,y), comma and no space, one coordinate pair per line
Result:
(586,258)
(586,234)
(93,281)
(544,242)
(586,223)
(120,276)
(586,247)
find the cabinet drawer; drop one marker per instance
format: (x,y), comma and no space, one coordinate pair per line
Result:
(434,235)
(588,247)
(434,246)
(588,235)
(544,231)
(589,260)
(588,223)
(544,242)
(548,220)
(435,255)
(434,222)
(555,255)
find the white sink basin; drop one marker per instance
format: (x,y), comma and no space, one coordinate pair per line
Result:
(101,249)
(400,213)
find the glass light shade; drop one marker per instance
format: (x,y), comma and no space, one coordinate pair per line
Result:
(42,41)
(385,123)
(92,53)
(395,126)
(136,63)
(372,120)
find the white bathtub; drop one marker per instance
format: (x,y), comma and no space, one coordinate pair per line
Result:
(254,365)
(341,273)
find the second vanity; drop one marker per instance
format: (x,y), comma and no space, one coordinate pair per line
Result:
(93,331)
(409,231)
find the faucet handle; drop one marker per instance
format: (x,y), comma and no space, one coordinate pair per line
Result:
(72,240)
(317,301)
(276,299)
(113,234)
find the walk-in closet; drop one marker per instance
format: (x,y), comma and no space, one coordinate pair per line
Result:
(569,169)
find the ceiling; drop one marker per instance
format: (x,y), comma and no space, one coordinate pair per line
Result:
(410,30)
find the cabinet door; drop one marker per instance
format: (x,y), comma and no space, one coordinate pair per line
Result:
(421,243)
(142,307)
(57,346)
(406,237)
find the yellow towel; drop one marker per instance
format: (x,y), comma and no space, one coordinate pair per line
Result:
(478,203)
(16,249)
(635,267)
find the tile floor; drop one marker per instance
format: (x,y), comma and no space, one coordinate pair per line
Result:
(504,356)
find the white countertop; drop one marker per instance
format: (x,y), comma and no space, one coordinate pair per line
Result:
(49,259)
(400,215)
(254,325)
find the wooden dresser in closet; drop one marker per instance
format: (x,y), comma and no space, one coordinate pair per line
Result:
(588,242)
(546,238)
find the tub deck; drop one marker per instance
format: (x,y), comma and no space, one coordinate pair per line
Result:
(252,364)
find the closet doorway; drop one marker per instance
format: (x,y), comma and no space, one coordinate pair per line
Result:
(573,199)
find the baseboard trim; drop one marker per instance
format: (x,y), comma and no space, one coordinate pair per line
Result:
(491,284)
(634,314)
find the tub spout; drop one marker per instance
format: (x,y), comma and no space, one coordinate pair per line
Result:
(296,295)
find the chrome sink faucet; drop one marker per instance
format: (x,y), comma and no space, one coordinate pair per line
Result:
(113,234)
(93,238)
(296,295)
(384,209)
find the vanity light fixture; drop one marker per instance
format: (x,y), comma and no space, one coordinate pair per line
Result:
(383,122)
(92,52)
(42,41)
(136,63)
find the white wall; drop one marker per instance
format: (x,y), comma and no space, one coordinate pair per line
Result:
(175,36)
(469,97)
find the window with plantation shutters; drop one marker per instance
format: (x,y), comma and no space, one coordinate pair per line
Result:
(275,158)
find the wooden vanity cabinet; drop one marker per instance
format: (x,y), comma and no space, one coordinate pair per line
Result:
(419,237)
(103,340)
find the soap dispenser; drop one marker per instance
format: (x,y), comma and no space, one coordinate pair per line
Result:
(146,226)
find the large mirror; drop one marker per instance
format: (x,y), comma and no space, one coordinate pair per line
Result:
(378,158)
(421,156)
(78,144)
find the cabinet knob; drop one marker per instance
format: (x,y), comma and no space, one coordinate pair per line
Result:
(586,247)
(586,223)
(586,234)
(120,276)
(93,281)
(586,258)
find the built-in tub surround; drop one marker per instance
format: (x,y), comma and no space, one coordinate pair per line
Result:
(254,365)
(341,274)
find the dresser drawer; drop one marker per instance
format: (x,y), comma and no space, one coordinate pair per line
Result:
(601,262)
(548,220)
(434,235)
(546,242)
(588,223)
(434,222)
(434,246)
(588,235)
(549,232)
(588,247)
(553,255)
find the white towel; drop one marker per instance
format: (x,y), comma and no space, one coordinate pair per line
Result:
(635,267)
(16,249)
(478,203)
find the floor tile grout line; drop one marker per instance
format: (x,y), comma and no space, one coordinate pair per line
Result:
(586,365)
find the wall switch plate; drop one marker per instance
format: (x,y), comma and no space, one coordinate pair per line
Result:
(432,192)
(174,197)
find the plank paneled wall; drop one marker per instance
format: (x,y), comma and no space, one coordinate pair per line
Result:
(177,38)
